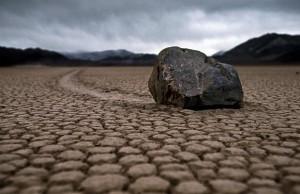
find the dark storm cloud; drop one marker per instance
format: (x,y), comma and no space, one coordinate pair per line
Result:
(141,25)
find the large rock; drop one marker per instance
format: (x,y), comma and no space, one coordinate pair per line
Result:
(189,79)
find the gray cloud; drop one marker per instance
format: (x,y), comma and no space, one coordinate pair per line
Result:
(140,25)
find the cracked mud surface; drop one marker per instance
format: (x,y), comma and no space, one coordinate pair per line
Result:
(97,130)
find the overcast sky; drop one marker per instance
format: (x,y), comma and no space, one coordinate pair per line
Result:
(142,25)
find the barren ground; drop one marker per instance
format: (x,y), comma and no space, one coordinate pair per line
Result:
(97,130)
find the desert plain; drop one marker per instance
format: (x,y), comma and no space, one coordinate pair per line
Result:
(98,130)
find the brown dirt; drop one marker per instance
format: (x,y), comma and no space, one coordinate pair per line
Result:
(97,130)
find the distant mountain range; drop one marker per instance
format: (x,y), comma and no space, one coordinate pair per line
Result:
(14,56)
(97,56)
(112,57)
(267,49)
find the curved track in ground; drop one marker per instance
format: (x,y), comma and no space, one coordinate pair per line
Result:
(70,82)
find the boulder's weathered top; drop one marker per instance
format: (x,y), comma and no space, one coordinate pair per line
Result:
(189,79)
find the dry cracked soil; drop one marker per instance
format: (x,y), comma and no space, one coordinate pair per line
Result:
(97,130)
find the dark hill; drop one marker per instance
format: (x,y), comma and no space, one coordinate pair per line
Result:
(267,49)
(13,56)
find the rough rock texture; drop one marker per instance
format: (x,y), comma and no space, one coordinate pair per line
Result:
(189,79)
